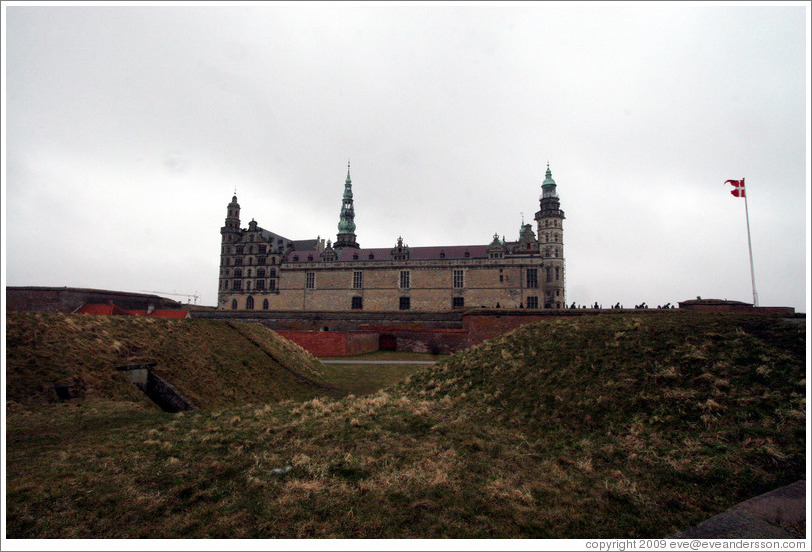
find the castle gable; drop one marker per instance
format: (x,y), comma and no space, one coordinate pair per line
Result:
(430,253)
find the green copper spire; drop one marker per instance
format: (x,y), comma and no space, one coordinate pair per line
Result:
(549,177)
(548,186)
(346,221)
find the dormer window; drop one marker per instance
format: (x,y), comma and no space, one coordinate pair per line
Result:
(371,256)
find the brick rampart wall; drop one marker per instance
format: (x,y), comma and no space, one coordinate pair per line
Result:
(66,299)
(785,311)
(330,344)
(426,341)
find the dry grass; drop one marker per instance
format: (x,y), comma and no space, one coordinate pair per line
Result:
(215,364)
(596,427)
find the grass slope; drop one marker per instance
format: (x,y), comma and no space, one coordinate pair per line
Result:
(214,364)
(613,426)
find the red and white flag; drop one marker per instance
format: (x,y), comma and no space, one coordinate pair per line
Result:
(738,187)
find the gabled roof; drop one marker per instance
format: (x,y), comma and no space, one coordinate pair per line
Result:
(102,309)
(385,253)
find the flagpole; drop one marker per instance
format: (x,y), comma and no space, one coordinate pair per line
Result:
(749,246)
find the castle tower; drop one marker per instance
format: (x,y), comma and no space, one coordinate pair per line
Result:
(346,223)
(230,235)
(550,220)
(232,220)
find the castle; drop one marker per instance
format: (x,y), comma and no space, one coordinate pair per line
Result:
(262,270)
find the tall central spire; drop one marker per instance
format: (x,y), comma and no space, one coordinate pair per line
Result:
(346,222)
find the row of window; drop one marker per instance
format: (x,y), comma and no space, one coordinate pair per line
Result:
(404,280)
(240,261)
(236,285)
(458,279)
(405,303)
(260,273)
(249,304)
(259,249)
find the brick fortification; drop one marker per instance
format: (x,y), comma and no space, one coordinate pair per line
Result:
(262,270)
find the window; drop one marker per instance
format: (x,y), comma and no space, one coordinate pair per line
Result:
(459,279)
(357,279)
(549,274)
(234,304)
(224,284)
(272,273)
(271,284)
(239,249)
(264,304)
(236,285)
(457,302)
(310,280)
(532,302)
(405,303)
(260,284)
(557,273)
(249,303)
(404,279)
(358,302)
(532,278)
(261,260)
(260,273)
(238,261)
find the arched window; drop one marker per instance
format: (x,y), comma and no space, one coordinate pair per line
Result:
(249,303)
(234,304)
(264,304)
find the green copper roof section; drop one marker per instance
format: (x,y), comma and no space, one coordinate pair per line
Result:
(549,177)
(346,222)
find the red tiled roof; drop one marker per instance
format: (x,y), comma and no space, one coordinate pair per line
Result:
(102,309)
(170,314)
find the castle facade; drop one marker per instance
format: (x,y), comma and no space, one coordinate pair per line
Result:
(262,270)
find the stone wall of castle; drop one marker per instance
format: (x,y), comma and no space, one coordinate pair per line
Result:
(485,283)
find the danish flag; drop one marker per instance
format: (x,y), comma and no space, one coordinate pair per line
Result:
(738,187)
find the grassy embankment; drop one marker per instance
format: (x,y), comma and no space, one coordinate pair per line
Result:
(605,426)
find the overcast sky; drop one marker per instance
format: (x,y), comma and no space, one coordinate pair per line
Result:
(129,128)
